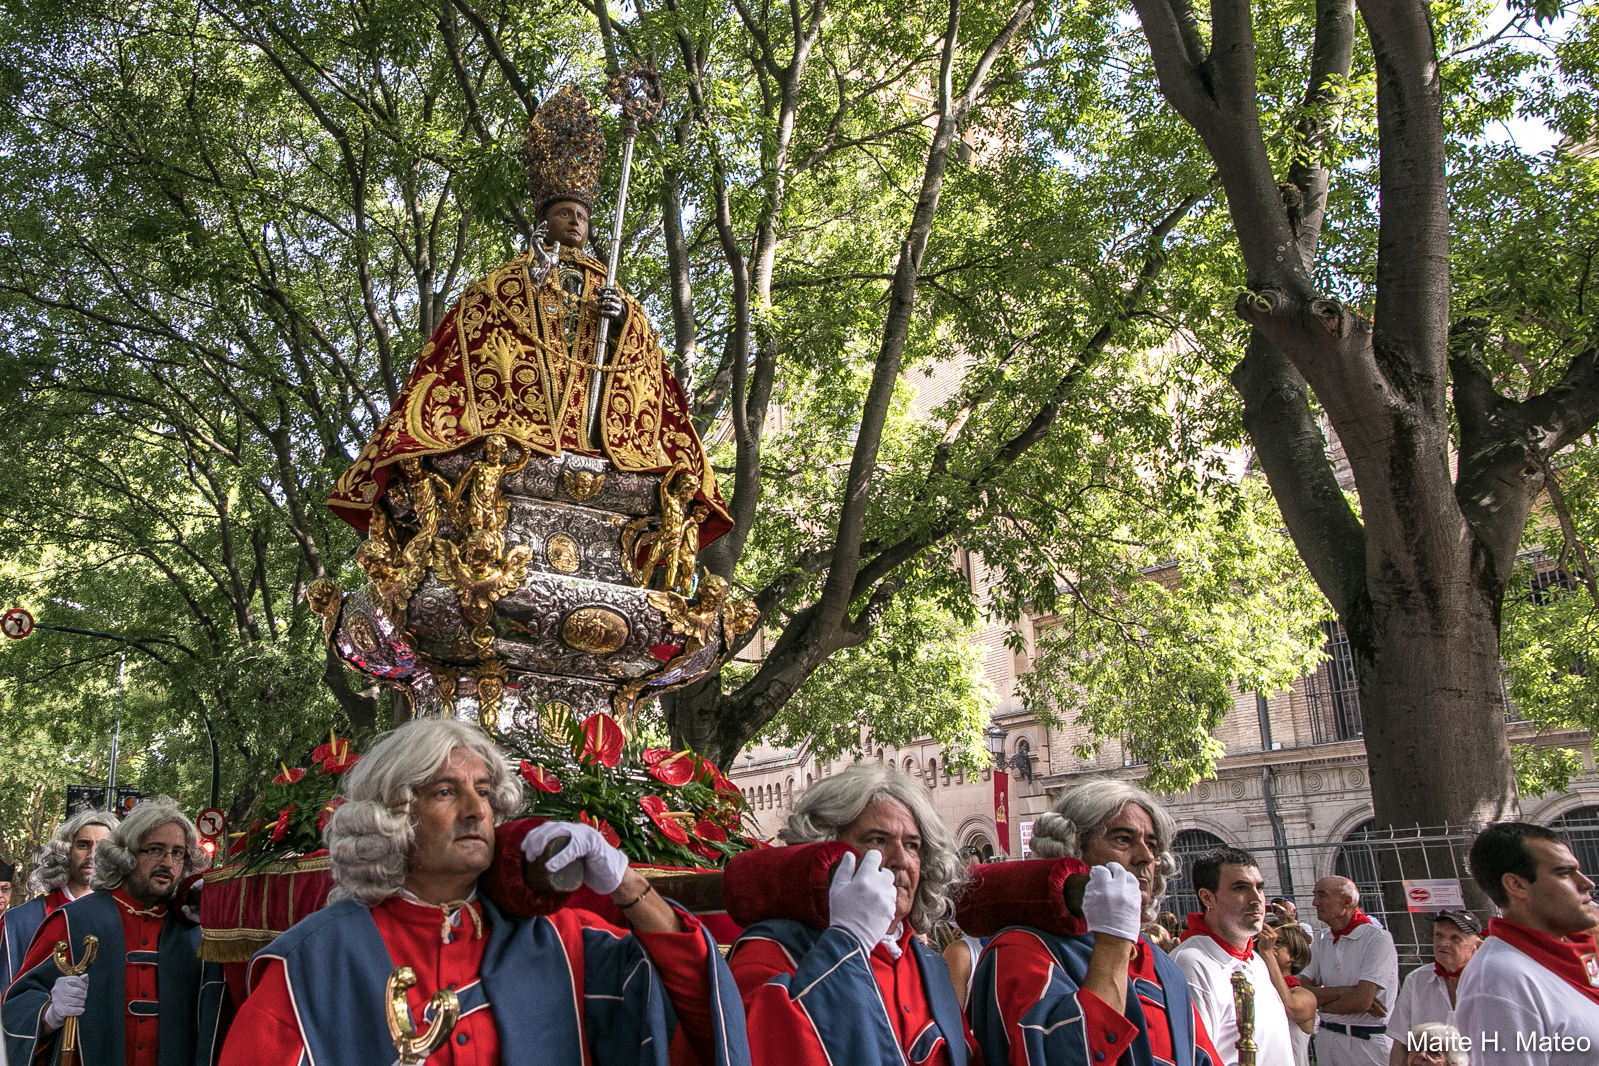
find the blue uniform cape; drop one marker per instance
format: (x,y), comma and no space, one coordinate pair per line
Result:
(337,964)
(18,925)
(1053,1028)
(191,993)
(834,979)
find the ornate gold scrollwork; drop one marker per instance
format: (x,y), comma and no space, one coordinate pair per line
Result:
(446,1010)
(563,553)
(324,598)
(672,546)
(582,485)
(596,630)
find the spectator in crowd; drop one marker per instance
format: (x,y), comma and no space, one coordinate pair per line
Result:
(816,995)
(1285,907)
(1158,935)
(1531,994)
(1434,1044)
(1354,973)
(61,873)
(1220,942)
(8,873)
(1067,979)
(961,955)
(1428,994)
(146,998)
(1286,949)
(409,850)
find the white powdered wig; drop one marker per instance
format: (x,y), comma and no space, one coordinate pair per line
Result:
(1062,831)
(118,854)
(832,803)
(370,836)
(50,863)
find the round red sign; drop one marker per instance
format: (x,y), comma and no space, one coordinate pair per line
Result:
(16,623)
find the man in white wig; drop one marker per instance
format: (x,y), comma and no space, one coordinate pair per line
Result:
(830,967)
(146,999)
(1068,978)
(409,850)
(61,873)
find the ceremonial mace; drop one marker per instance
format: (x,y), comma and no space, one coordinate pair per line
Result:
(1244,1009)
(446,1008)
(63,957)
(638,90)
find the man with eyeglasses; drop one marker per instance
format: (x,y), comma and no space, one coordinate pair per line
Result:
(146,999)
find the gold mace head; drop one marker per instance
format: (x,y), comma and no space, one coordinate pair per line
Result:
(63,956)
(444,1005)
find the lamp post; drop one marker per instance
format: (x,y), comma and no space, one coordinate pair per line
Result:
(996,744)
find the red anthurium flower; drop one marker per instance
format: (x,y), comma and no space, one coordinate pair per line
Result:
(655,807)
(288,776)
(704,851)
(281,829)
(340,765)
(709,831)
(336,748)
(538,777)
(603,827)
(326,816)
(676,769)
(602,740)
(651,756)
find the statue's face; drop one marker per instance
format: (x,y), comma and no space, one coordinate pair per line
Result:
(567,222)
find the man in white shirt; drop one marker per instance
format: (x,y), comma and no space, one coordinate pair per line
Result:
(1219,943)
(1354,972)
(1429,992)
(1531,995)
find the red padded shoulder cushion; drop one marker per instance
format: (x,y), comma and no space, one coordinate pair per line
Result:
(502,884)
(1020,893)
(789,882)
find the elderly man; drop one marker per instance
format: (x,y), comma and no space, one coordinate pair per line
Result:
(61,874)
(1220,942)
(146,999)
(1067,979)
(1531,996)
(857,985)
(1354,973)
(409,850)
(1428,994)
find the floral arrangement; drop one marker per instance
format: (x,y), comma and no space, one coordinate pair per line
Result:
(296,806)
(660,807)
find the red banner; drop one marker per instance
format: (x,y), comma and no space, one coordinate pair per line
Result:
(1002,809)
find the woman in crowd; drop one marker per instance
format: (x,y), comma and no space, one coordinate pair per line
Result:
(1286,950)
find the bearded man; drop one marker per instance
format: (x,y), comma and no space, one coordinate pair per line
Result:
(61,873)
(146,999)
(409,851)
(830,968)
(1068,978)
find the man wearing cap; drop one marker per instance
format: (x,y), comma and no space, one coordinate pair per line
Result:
(1428,994)
(1285,907)
(61,873)
(1531,995)
(1354,973)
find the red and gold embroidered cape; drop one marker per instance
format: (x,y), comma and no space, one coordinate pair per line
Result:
(497,363)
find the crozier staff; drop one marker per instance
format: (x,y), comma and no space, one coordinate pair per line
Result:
(408,850)
(146,999)
(60,875)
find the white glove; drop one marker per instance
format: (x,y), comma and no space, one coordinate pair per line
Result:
(67,997)
(603,866)
(1112,902)
(862,902)
(193,912)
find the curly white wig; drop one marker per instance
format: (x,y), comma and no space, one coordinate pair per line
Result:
(370,836)
(118,854)
(832,803)
(1064,829)
(51,862)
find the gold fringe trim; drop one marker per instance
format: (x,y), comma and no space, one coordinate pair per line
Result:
(232,945)
(293,866)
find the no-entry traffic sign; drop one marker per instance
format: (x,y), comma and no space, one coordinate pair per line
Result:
(16,623)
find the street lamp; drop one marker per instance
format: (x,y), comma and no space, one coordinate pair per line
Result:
(996,743)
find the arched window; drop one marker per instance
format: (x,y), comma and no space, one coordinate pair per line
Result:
(788,798)
(932,773)
(768,796)
(1358,862)
(910,765)
(978,848)
(1187,846)
(807,780)
(1581,827)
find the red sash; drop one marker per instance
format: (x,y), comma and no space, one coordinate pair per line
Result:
(1198,927)
(1573,960)
(1359,919)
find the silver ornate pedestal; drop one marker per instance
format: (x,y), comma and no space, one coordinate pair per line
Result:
(510,594)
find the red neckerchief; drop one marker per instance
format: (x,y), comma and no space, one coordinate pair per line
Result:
(1197,927)
(1447,975)
(1290,980)
(1359,919)
(1573,959)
